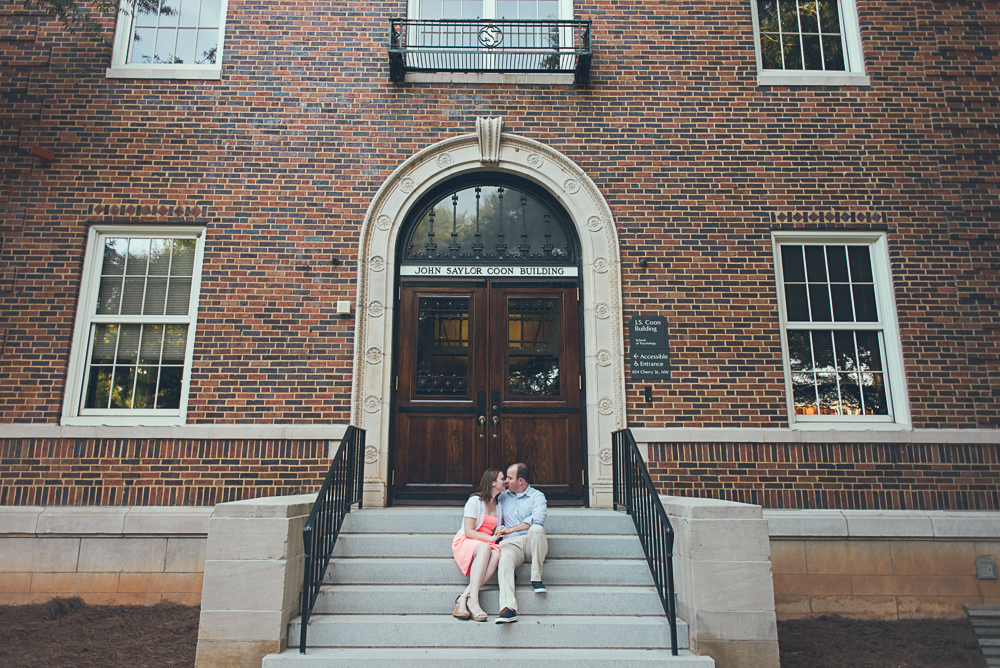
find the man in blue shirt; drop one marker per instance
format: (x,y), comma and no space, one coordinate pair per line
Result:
(523,538)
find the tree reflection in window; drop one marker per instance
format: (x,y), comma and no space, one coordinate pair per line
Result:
(135,361)
(835,370)
(533,347)
(443,346)
(175,32)
(801,35)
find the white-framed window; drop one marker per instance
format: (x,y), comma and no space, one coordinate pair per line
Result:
(843,360)
(130,363)
(808,43)
(169,39)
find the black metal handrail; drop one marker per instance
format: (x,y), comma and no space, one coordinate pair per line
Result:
(489,45)
(341,489)
(634,490)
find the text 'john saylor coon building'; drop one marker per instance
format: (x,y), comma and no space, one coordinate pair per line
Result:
(761,236)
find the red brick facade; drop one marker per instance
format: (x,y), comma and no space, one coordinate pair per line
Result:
(47,472)
(832,475)
(280,159)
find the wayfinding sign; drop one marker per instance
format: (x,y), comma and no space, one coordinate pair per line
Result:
(649,356)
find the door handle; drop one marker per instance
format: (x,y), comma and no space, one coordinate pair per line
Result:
(495,421)
(482,426)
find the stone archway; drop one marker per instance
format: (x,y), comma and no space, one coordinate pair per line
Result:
(602,365)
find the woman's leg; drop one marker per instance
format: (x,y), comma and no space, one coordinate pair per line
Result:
(491,568)
(478,575)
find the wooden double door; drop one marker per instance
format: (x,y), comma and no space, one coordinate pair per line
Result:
(488,374)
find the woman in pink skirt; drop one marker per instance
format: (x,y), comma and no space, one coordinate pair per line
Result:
(475,552)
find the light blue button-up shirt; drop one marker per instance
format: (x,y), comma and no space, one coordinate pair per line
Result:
(528,506)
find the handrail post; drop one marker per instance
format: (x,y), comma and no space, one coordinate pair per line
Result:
(305,604)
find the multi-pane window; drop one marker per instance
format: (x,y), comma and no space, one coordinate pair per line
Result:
(132,350)
(520,10)
(533,347)
(807,37)
(842,351)
(443,346)
(169,38)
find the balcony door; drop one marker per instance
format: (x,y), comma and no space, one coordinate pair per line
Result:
(488,375)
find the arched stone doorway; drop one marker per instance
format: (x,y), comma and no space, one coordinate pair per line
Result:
(601,360)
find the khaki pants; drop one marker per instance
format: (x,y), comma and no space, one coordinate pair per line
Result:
(514,552)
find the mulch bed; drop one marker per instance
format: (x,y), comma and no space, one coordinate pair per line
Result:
(839,642)
(68,633)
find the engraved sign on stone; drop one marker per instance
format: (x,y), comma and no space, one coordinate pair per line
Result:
(649,349)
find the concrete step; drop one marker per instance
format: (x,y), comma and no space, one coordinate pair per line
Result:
(449,520)
(500,657)
(985,610)
(440,599)
(443,570)
(606,546)
(570,631)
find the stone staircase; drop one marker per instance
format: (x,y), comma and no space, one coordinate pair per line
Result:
(392,583)
(985,621)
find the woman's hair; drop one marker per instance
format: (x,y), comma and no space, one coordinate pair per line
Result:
(485,489)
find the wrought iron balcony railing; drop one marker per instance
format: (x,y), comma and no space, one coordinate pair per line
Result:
(488,45)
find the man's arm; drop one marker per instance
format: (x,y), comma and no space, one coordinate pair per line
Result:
(539,508)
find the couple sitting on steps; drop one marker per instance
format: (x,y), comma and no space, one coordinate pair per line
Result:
(501,529)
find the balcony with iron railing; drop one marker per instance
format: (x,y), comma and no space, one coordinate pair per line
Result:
(490,45)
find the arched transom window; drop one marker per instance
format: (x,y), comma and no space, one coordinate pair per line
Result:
(479,223)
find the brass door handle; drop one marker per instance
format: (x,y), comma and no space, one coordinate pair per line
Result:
(495,421)
(482,426)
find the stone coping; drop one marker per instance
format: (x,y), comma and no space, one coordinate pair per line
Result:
(107,521)
(749,435)
(884,524)
(193,520)
(202,432)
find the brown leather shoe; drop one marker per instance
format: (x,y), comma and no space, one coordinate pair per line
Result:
(461,610)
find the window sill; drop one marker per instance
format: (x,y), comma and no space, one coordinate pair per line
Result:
(120,421)
(849,426)
(488,78)
(812,79)
(160,72)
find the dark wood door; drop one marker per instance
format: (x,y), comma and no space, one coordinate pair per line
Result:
(488,375)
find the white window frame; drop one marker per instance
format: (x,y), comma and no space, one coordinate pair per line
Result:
(86,309)
(489,9)
(124,70)
(895,376)
(853,56)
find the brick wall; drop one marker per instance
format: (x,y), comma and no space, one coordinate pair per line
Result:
(832,475)
(283,155)
(120,472)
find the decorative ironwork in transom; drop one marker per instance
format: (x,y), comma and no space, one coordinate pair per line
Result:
(489,223)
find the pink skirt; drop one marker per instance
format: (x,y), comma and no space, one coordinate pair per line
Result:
(464,547)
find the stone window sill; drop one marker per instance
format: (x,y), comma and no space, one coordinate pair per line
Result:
(813,79)
(185,73)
